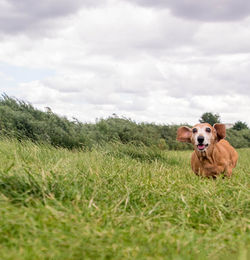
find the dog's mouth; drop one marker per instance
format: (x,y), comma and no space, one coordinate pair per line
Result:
(202,147)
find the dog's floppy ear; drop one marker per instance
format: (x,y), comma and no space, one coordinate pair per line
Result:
(220,130)
(184,134)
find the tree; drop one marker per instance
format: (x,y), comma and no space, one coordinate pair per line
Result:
(210,118)
(239,125)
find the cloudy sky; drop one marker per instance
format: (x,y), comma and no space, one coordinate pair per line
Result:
(157,61)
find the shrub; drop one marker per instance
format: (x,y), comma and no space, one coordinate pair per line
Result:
(21,120)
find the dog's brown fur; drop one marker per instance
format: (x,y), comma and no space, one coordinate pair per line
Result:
(219,156)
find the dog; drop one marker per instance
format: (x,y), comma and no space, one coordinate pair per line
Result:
(212,154)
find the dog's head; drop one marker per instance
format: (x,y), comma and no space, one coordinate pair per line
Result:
(202,136)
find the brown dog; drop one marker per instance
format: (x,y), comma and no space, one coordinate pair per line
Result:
(212,154)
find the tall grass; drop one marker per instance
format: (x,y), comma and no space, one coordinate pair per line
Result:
(118,202)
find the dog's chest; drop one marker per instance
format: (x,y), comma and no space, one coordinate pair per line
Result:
(209,168)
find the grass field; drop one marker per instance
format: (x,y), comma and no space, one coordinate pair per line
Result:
(118,202)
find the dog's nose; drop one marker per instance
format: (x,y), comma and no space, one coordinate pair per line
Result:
(200,139)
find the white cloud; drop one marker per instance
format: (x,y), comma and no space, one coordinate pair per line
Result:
(224,38)
(231,107)
(134,61)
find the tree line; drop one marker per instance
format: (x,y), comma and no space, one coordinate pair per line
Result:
(20,120)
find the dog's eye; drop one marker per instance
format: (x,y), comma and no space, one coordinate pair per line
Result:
(208,130)
(195,130)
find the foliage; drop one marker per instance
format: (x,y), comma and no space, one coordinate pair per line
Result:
(210,118)
(239,125)
(239,139)
(22,121)
(121,202)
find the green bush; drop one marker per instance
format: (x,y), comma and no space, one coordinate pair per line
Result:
(22,121)
(239,139)
(239,125)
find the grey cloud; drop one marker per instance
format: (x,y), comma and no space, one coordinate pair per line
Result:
(235,76)
(213,10)
(142,33)
(223,38)
(29,15)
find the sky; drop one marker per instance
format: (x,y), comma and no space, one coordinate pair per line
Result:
(158,61)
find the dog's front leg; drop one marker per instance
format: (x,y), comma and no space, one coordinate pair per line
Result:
(228,171)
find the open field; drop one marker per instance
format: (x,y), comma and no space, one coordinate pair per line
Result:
(118,202)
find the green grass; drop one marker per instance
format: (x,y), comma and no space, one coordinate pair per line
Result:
(118,202)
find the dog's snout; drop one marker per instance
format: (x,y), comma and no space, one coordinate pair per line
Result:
(200,139)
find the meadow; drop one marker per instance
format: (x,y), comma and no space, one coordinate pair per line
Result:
(118,202)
